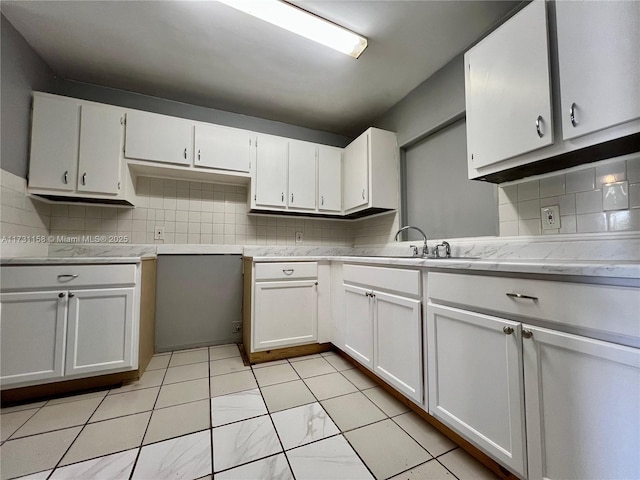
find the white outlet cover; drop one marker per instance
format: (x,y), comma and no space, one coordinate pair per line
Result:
(550,217)
(298,237)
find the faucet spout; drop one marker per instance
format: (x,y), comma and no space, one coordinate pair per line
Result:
(425,250)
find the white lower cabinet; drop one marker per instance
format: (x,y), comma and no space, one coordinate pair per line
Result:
(358,332)
(475,381)
(582,401)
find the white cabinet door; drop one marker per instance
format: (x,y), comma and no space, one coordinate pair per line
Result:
(32,340)
(54,143)
(223,148)
(599,64)
(356,173)
(507,89)
(101,136)
(358,330)
(583,407)
(302,175)
(100,332)
(285,314)
(159,138)
(397,343)
(475,381)
(271,171)
(329,179)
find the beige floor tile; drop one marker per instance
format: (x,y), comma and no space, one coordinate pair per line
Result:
(178,420)
(37,476)
(304,357)
(10,422)
(188,357)
(232,383)
(269,364)
(227,365)
(59,416)
(465,467)
(34,454)
(287,395)
(431,470)
(117,466)
(313,367)
(110,436)
(75,398)
(386,448)
(223,351)
(330,353)
(186,372)
(352,411)
(386,402)
(24,406)
(331,385)
(150,378)
(126,404)
(276,374)
(339,363)
(359,379)
(425,434)
(183,392)
(159,362)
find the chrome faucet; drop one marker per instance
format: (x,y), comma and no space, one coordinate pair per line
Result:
(425,249)
(447,250)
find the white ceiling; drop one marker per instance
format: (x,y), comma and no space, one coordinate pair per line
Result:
(206,53)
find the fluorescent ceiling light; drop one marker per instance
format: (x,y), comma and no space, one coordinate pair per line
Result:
(289,17)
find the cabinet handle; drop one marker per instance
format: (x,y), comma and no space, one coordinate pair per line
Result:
(71,295)
(572,114)
(67,275)
(84,178)
(61,295)
(508,330)
(287,271)
(519,295)
(198,155)
(363,193)
(322,200)
(185,153)
(292,198)
(368,294)
(527,334)
(65,177)
(282,197)
(539,126)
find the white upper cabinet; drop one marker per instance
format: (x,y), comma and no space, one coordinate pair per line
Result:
(329,179)
(599,60)
(271,171)
(54,143)
(101,135)
(508,89)
(302,175)
(159,138)
(223,148)
(356,173)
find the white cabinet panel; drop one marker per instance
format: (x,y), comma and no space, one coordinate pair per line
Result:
(582,405)
(302,175)
(159,138)
(599,64)
(329,179)
(475,381)
(271,171)
(508,91)
(32,340)
(356,173)
(101,136)
(398,343)
(100,330)
(55,134)
(223,147)
(358,330)
(285,314)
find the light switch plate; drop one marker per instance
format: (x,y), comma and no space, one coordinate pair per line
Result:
(615,196)
(550,217)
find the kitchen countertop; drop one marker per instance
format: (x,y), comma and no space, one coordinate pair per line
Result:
(70,260)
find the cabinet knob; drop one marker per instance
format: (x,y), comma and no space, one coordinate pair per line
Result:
(527,334)
(61,295)
(539,126)
(198,155)
(71,295)
(65,177)
(572,114)
(508,330)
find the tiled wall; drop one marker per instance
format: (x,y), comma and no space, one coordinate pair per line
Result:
(579,194)
(376,230)
(19,214)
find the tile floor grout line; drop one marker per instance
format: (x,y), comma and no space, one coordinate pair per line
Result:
(432,459)
(445,467)
(10,437)
(415,439)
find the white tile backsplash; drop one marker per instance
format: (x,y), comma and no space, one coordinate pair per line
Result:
(20,214)
(552,186)
(529,190)
(581,180)
(589,202)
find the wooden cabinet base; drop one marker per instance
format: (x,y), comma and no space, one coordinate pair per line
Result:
(287,352)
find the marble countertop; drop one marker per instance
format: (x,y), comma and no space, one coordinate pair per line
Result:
(69,260)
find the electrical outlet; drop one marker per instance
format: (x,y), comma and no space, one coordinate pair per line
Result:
(298,237)
(550,217)
(158,233)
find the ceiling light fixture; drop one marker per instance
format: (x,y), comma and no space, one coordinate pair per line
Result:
(289,17)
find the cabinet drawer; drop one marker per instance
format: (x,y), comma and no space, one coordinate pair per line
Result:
(66,276)
(393,279)
(600,308)
(284,271)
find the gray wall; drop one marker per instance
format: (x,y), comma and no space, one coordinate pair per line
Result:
(22,71)
(436,193)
